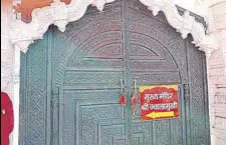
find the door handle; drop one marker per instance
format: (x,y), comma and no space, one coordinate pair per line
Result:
(186,90)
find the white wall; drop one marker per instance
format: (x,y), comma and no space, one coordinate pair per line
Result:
(10,70)
(217,71)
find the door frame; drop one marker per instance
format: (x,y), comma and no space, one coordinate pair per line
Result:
(25,34)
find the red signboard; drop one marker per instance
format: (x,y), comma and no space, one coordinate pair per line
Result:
(159,102)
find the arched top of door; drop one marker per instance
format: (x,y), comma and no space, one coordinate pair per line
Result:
(58,13)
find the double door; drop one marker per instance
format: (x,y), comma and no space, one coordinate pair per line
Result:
(72,94)
(114,47)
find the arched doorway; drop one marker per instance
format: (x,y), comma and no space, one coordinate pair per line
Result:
(70,82)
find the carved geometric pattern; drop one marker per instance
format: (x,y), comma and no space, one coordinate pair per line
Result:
(92,122)
(35,95)
(199,124)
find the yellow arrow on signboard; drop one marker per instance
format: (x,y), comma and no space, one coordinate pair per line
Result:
(160,114)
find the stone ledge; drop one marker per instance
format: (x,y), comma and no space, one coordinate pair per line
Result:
(217,65)
(218,74)
(221,86)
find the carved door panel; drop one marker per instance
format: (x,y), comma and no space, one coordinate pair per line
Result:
(89,88)
(152,63)
(71,96)
(91,114)
(158,55)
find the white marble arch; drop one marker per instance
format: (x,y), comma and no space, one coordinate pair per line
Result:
(58,13)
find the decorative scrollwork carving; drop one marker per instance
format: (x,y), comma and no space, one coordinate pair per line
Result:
(60,14)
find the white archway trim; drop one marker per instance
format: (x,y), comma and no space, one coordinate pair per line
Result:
(60,14)
(184,24)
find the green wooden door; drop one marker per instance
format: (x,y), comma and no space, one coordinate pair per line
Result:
(70,82)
